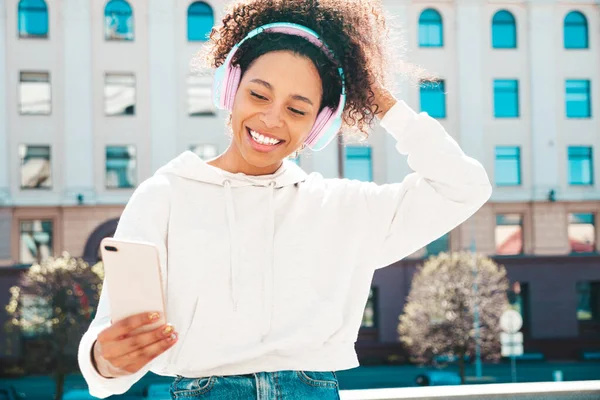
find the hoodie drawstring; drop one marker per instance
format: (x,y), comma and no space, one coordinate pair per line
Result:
(269,267)
(233,244)
(269,270)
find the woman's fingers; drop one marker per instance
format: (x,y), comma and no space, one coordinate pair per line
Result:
(127,325)
(128,344)
(136,359)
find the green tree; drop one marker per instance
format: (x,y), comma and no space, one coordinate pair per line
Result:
(51,308)
(439,312)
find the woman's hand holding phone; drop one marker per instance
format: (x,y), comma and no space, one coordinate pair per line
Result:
(120,351)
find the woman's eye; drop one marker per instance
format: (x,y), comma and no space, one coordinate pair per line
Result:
(297,111)
(258,96)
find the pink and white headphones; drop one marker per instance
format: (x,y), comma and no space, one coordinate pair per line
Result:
(227,79)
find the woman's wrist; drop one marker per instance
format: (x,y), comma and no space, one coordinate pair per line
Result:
(384,100)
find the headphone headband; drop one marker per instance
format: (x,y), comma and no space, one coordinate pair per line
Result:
(227,79)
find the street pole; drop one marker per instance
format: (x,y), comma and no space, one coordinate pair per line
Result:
(513,361)
(478,367)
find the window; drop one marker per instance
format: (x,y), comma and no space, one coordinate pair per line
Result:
(357,163)
(121,168)
(433,98)
(509,234)
(575,31)
(118,21)
(370,314)
(504,31)
(199,90)
(204,151)
(35,241)
(508,166)
(582,233)
(431,29)
(588,301)
(35,96)
(580,165)
(506,98)
(36,171)
(119,94)
(518,300)
(578,98)
(33,19)
(200,20)
(439,245)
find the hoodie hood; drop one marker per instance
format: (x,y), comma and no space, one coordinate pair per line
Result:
(188,165)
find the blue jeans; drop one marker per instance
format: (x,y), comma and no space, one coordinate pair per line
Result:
(280,385)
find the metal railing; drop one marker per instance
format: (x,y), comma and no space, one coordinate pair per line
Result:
(579,390)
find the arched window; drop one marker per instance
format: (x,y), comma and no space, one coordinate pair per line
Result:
(504,31)
(575,31)
(431,29)
(200,20)
(118,20)
(33,19)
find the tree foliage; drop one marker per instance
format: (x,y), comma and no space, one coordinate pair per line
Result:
(50,310)
(438,318)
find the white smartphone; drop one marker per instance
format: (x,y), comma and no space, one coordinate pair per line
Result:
(133,280)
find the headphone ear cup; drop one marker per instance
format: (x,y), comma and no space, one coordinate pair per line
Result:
(233,82)
(218,84)
(319,127)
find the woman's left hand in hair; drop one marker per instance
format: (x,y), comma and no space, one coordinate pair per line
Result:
(383,98)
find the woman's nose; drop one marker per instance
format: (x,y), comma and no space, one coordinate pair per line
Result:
(271,117)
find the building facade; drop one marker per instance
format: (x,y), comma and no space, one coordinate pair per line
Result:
(96,95)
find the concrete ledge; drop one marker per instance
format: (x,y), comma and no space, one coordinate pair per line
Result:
(582,390)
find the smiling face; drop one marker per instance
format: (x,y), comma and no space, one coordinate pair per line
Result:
(275,107)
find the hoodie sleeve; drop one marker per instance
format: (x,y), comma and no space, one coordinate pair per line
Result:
(144,218)
(445,189)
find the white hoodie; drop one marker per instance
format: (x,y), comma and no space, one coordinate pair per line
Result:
(268,273)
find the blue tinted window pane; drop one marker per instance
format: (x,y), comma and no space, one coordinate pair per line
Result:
(120,167)
(506,98)
(575,31)
(433,99)
(439,245)
(200,21)
(357,164)
(33,18)
(578,99)
(508,166)
(431,32)
(504,31)
(118,20)
(580,165)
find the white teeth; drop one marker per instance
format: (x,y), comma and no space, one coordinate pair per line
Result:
(263,139)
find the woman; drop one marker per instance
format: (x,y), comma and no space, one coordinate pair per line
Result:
(267,268)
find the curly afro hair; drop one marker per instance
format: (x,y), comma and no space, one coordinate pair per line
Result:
(355,30)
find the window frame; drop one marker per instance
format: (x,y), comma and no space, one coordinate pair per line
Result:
(28,36)
(131,16)
(519,171)
(429,87)
(135,95)
(21,164)
(189,8)
(521,225)
(20,82)
(513,91)
(347,158)
(588,93)
(426,23)
(579,157)
(583,23)
(496,24)
(135,173)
